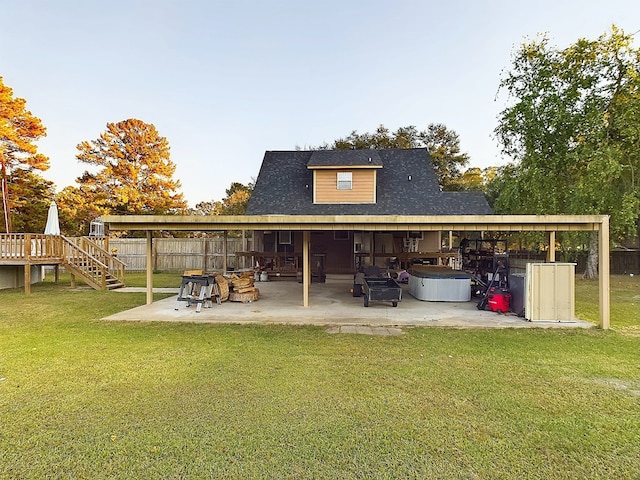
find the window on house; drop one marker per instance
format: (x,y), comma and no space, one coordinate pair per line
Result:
(345,180)
(284,237)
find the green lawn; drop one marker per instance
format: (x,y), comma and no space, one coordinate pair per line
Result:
(83,398)
(625,302)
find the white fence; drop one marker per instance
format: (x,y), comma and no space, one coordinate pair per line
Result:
(180,254)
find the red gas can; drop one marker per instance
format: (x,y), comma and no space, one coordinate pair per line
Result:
(498,300)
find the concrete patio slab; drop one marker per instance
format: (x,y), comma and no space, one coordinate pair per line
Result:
(331,304)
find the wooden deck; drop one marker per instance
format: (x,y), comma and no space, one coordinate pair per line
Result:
(80,256)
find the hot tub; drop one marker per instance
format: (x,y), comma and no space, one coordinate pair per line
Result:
(435,284)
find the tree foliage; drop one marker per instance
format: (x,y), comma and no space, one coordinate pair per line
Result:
(31,196)
(572,126)
(443,145)
(134,175)
(19,129)
(235,202)
(475,178)
(76,210)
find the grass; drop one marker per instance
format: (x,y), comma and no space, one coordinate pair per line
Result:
(625,301)
(84,398)
(162,279)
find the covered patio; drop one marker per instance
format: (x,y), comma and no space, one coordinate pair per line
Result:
(383,223)
(331,304)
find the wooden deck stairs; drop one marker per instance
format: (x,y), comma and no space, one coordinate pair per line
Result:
(88,260)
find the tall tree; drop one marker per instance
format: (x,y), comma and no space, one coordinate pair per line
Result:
(235,202)
(443,145)
(572,127)
(76,210)
(204,208)
(475,178)
(135,172)
(31,196)
(19,129)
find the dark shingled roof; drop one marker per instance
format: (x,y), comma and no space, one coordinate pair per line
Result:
(344,158)
(406,185)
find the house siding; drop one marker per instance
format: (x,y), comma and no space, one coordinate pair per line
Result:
(362,191)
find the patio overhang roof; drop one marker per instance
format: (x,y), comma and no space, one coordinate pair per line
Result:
(519,223)
(373,223)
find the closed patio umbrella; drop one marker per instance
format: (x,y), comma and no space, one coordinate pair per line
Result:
(53,224)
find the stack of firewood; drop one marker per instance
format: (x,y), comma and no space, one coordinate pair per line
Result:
(242,288)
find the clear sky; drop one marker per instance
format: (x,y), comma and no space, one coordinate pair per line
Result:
(224,81)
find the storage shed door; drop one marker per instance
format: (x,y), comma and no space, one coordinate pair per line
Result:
(550,292)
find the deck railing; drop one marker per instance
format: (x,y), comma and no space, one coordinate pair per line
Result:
(82,263)
(95,247)
(30,247)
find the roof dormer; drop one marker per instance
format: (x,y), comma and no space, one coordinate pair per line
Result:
(344,176)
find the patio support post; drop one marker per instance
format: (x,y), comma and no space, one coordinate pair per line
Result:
(244,249)
(205,253)
(27,267)
(27,279)
(551,252)
(306,271)
(224,251)
(149,268)
(603,273)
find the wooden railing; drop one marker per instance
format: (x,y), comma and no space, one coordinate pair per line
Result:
(95,247)
(80,262)
(99,240)
(30,248)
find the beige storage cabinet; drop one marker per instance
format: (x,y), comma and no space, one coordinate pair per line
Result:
(550,292)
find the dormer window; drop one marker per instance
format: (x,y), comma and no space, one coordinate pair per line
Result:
(344,176)
(345,181)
